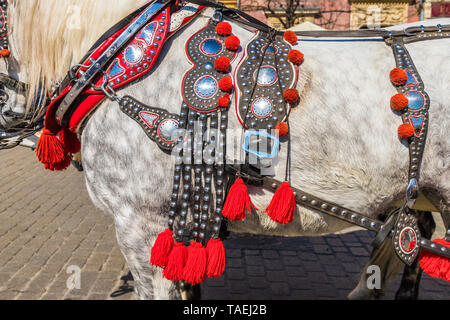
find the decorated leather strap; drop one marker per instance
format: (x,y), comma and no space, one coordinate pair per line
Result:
(260,101)
(159,125)
(414,113)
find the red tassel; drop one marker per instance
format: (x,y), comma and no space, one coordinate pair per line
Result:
(436,266)
(69,140)
(49,149)
(238,202)
(60,165)
(176,262)
(281,208)
(161,249)
(216,258)
(195,269)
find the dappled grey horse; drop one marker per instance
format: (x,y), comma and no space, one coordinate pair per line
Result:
(344,143)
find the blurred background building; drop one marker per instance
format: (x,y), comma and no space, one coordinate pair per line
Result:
(341,14)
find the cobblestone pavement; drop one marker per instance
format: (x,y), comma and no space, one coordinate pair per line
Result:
(48,224)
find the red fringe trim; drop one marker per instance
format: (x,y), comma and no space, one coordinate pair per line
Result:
(434,265)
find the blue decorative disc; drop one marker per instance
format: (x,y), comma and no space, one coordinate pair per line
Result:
(166,130)
(205,87)
(211,47)
(133,54)
(262,107)
(267,76)
(416,100)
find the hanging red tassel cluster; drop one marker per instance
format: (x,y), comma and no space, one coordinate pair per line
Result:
(281,209)
(53,151)
(191,264)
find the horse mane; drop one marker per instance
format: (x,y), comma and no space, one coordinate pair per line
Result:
(48,36)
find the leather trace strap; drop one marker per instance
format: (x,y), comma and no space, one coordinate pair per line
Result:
(404,232)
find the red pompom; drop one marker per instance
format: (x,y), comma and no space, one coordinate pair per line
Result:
(195,269)
(224,28)
(159,254)
(399,102)
(296,57)
(232,43)
(291,95)
(281,208)
(434,265)
(5,53)
(216,258)
(224,102)
(49,150)
(238,202)
(398,76)
(290,37)
(222,64)
(283,129)
(405,131)
(176,262)
(226,84)
(70,141)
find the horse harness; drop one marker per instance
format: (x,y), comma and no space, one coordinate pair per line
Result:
(17,128)
(264,74)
